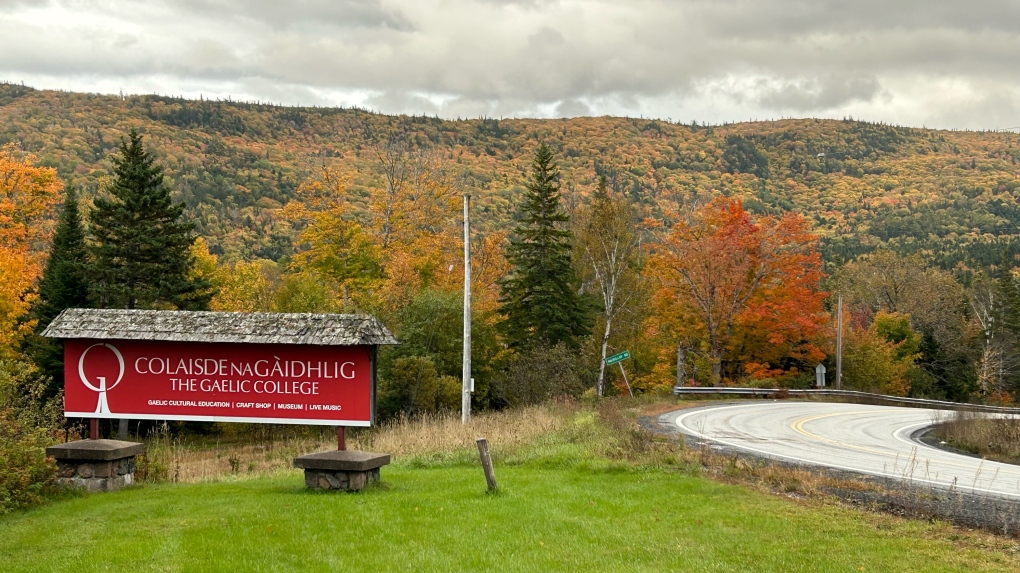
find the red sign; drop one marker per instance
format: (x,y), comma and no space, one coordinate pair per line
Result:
(218,382)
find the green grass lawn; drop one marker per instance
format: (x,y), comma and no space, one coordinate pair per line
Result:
(580,518)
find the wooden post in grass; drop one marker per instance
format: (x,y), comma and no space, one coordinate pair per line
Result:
(341,438)
(94,429)
(483,453)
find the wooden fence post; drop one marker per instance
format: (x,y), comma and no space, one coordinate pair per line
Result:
(483,453)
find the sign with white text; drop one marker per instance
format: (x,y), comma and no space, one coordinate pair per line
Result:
(218,382)
(617,358)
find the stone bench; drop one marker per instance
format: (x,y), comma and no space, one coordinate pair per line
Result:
(342,469)
(96,465)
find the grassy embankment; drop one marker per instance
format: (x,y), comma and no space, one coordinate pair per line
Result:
(580,490)
(994,438)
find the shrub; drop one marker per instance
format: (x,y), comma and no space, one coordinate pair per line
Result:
(28,423)
(539,373)
(871,363)
(431,324)
(26,475)
(23,392)
(413,386)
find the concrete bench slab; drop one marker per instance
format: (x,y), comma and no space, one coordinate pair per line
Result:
(346,460)
(102,450)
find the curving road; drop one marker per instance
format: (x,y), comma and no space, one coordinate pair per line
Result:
(867,439)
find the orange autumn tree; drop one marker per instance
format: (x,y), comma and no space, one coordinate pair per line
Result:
(27,195)
(740,290)
(414,219)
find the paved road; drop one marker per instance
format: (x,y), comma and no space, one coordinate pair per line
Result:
(868,439)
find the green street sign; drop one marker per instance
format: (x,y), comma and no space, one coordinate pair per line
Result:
(617,357)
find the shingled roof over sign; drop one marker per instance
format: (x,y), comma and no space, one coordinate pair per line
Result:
(199,326)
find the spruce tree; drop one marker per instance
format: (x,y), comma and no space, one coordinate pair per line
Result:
(142,251)
(1008,291)
(540,296)
(64,284)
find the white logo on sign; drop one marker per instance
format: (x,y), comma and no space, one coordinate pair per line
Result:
(103,407)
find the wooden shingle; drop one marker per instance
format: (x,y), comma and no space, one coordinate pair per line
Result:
(201,326)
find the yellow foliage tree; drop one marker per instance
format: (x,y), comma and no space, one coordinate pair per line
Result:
(879,358)
(27,195)
(246,287)
(333,244)
(414,223)
(205,263)
(406,242)
(417,196)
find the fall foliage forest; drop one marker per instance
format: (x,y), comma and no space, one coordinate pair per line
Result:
(712,253)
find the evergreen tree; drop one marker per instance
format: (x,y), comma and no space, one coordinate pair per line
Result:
(1008,291)
(540,296)
(142,254)
(64,284)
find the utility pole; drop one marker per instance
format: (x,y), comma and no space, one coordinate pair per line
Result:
(465,390)
(839,344)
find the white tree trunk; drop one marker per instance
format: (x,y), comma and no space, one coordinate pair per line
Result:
(602,365)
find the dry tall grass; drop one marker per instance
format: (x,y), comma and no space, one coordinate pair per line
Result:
(994,437)
(176,459)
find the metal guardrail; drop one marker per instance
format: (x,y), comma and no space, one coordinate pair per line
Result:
(866,397)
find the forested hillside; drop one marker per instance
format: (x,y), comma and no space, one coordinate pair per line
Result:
(950,195)
(712,255)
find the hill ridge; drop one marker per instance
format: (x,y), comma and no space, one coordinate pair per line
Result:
(950,195)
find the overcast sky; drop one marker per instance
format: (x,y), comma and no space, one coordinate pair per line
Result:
(938,63)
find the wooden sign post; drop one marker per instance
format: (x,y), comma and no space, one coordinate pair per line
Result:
(618,359)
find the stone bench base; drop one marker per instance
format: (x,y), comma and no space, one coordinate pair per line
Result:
(341,470)
(96,465)
(346,481)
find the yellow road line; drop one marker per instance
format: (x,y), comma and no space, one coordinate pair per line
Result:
(798,426)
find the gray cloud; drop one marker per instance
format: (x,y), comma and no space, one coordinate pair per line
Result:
(572,108)
(403,100)
(817,94)
(341,14)
(8,4)
(910,61)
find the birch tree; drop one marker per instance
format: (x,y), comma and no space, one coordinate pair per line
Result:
(608,247)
